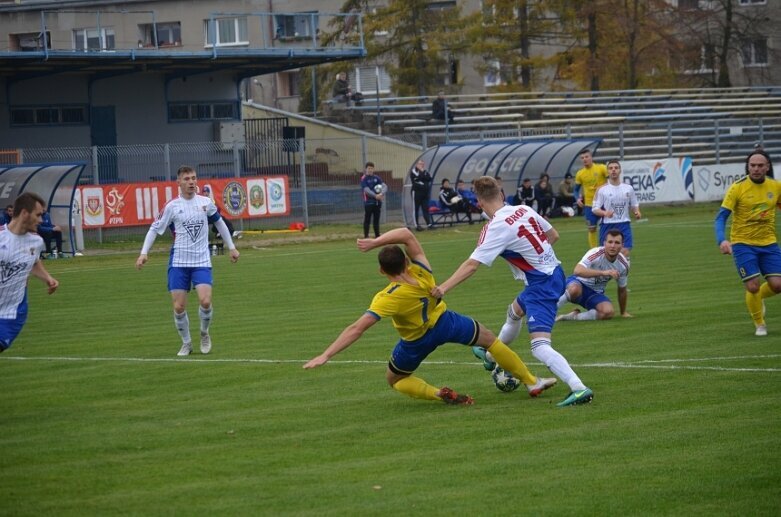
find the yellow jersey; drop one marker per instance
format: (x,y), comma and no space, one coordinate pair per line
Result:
(413,310)
(753,208)
(590,179)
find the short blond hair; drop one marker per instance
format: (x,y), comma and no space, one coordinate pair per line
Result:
(487,188)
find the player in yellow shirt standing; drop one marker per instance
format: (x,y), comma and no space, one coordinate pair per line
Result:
(753,243)
(423,322)
(587,181)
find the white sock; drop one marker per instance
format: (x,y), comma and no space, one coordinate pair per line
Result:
(206,318)
(512,326)
(563,300)
(182,323)
(587,316)
(544,352)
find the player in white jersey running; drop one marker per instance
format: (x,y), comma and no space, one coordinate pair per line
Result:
(20,251)
(189,216)
(524,239)
(587,286)
(612,203)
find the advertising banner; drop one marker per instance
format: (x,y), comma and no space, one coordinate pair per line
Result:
(138,204)
(667,180)
(712,181)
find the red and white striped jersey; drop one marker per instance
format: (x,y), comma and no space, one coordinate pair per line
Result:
(517,234)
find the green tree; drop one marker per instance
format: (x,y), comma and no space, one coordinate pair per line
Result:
(618,44)
(505,32)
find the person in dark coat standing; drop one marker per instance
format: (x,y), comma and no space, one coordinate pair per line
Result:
(421,192)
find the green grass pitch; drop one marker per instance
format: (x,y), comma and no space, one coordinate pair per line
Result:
(98,416)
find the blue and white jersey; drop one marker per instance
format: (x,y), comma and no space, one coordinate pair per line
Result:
(595,258)
(18,255)
(189,221)
(517,234)
(618,198)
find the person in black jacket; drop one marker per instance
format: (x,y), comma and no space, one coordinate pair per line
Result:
(421,192)
(440,110)
(525,193)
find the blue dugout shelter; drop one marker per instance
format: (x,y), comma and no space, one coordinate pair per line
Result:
(55,183)
(510,160)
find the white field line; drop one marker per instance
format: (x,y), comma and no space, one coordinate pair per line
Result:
(662,364)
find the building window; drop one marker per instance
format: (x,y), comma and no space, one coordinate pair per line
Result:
(296,26)
(365,80)
(28,42)
(289,83)
(94,39)
(167,34)
(203,110)
(49,115)
(230,31)
(688,5)
(754,52)
(752,2)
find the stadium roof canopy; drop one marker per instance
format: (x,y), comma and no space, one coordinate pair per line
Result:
(54,182)
(265,52)
(510,160)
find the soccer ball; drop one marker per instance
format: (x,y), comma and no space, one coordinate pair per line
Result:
(504,381)
(378,188)
(567,211)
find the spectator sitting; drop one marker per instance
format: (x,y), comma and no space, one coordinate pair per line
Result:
(566,194)
(343,92)
(468,195)
(450,199)
(8,214)
(48,231)
(525,193)
(543,192)
(439,109)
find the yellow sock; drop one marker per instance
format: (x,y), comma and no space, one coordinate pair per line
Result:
(416,388)
(754,304)
(765,291)
(510,361)
(592,239)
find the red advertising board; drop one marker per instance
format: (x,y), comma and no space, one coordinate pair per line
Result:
(136,204)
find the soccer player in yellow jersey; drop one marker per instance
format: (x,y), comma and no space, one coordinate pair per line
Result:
(587,181)
(753,243)
(423,323)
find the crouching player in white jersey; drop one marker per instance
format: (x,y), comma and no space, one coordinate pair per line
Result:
(20,251)
(524,239)
(612,203)
(189,216)
(587,286)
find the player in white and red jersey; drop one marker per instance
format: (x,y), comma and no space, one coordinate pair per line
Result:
(613,202)
(20,251)
(587,286)
(524,239)
(189,264)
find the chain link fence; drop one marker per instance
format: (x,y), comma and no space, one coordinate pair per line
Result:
(323,174)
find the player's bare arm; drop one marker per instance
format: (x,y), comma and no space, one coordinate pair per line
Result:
(349,335)
(400,236)
(464,271)
(38,271)
(622,298)
(552,236)
(585,272)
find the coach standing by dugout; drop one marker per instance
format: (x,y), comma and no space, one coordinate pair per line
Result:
(421,192)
